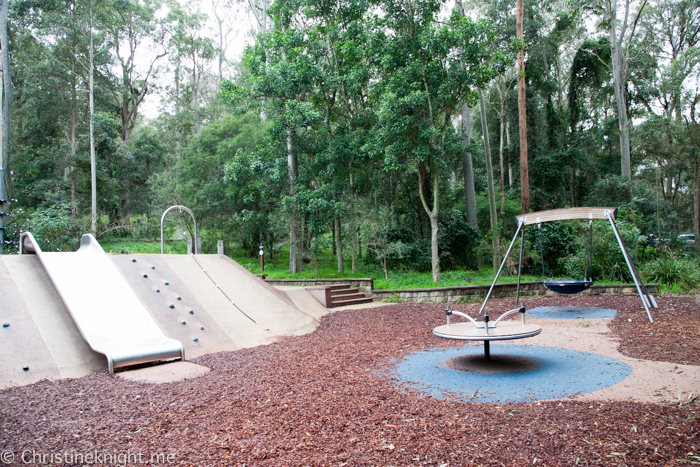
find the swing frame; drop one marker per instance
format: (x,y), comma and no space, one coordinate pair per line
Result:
(589,213)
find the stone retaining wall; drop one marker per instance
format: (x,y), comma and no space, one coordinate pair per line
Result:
(365,284)
(478,292)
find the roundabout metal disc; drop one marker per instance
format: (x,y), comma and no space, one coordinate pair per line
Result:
(506,330)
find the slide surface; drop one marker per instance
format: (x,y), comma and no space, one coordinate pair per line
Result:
(110,317)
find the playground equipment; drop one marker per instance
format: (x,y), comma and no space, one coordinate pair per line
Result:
(590,213)
(569,287)
(162,219)
(509,330)
(108,314)
(475,331)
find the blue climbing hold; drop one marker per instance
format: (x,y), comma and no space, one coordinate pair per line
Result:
(6,325)
(25,368)
(201,328)
(145,275)
(196,339)
(158,290)
(172,306)
(153,267)
(167,283)
(191,312)
(133,260)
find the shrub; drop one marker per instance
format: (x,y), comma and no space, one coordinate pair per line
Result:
(672,271)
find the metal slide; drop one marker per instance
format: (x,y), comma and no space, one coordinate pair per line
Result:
(110,317)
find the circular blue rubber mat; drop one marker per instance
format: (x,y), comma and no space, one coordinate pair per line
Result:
(570,312)
(515,373)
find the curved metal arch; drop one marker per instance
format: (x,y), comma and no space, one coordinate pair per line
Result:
(162,219)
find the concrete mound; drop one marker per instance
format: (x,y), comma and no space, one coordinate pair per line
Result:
(208,302)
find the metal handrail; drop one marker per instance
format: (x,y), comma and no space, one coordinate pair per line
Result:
(180,208)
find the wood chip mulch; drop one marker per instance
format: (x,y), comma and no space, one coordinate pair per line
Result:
(327,398)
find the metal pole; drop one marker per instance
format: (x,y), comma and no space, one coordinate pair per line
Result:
(162,218)
(520,266)
(629,265)
(262,261)
(2,209)
(505,258)
(93,163)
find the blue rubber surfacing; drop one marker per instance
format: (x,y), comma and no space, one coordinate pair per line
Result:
(516,373)
(570,312)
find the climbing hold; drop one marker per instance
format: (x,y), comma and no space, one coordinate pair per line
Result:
(153,267)
(191,312)
(137,398)
(133,260)
(172,306)
(25,368)
(179,298)
(6,325)
(145,275)
(201,328)
(183,322)
(158,290)
(167,283)
(196,339)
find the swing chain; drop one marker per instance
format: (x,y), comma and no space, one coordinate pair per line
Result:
(544,274)
(590,253)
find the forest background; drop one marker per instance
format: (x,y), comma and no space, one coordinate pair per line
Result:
(382,132)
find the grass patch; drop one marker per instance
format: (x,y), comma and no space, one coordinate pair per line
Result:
(277,267)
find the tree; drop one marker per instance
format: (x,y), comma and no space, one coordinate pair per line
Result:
(188,44)
(6,84)
(424,84)
(132,26)
(522,114)
(621,34)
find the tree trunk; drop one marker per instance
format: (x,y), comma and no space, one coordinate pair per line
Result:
(510,166)
(195,95)
(73,124)
(696,217)
(433,215)
(619,80)
(339,245)
(502,180)
(7,83)
(489,181)
(353,233)
(293,167)
(522,116)
(469,192)
(93,168)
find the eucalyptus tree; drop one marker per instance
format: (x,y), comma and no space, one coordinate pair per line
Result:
(137,33)
(227,32)
(6,84)
(278,79)
(191,51)
(620,21)
(424,82)
(666,79)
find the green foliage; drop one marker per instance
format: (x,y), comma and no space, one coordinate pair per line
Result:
(608,262)
(672,271)
(56,228)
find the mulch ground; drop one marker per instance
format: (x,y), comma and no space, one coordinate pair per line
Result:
(327,398)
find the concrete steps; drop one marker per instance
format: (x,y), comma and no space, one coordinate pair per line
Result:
(342,294)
